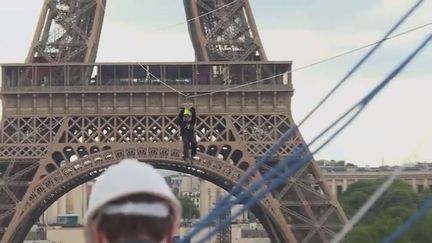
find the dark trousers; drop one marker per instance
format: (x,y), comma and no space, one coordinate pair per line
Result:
(189,142)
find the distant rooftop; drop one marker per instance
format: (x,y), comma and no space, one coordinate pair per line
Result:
(342,166)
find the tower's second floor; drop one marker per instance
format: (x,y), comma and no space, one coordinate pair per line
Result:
(145,88)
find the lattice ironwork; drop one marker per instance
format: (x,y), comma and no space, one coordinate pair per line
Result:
(84,144)
(259,132)
(29,130)
(140,129)
(68,31)
(64,124)
(54,180)
(226,30)
(15,177)
(225,234)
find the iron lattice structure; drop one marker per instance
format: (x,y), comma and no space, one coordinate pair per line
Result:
(67,31)
(228,33)
(224,235)
(64,123)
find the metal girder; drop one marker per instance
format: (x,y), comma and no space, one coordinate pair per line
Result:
(78,131)
(85,144)
(67,31)
(60,129)
(223,30)
(74,163)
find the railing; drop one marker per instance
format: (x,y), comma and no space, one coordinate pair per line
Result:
(187,89)
(147,74)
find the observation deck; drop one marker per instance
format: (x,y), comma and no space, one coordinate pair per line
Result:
(137,88)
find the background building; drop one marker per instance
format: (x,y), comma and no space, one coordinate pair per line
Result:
(337,174)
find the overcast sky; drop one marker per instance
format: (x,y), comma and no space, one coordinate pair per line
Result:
(396,127)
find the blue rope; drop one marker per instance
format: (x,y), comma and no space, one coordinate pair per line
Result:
(360,105)
(279,180)
(284,138)
(253,200)
(414,218)
(224,203)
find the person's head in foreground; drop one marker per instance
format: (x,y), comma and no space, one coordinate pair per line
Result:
(131,203)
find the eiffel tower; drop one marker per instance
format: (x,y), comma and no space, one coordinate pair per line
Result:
(65,118)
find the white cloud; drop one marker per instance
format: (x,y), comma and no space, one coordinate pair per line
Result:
(397,7)
(309,45)
(389,128)
(121,41)
(17,24)
(392,10)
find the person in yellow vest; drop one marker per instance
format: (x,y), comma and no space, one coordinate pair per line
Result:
(131,203)
(187,121)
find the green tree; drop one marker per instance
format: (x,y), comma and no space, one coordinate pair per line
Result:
(357,194)
(189,210)
(391,210)
(422,231)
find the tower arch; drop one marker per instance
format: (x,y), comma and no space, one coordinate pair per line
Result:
(57,183)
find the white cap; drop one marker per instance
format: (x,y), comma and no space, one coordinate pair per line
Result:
(130,177)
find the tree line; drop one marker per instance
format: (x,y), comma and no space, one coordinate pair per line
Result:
(397,204)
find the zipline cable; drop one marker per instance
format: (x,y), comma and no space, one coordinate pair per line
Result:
(296,69)
(289,133)
(291,71)
(315,63)
(199,16)
(360,106)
